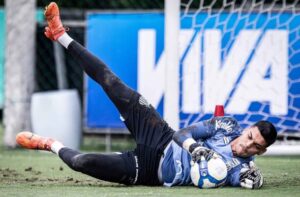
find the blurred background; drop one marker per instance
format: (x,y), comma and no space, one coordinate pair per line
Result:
(164,50)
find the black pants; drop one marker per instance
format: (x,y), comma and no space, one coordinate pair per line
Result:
(150,131)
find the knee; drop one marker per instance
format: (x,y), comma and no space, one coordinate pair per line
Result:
(79,162)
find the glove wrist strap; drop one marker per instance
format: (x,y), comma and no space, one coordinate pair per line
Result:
(193,147)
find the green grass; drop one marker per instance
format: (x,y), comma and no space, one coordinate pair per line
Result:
(35,173)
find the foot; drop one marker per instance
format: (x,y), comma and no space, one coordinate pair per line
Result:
(29,140)
(55,28)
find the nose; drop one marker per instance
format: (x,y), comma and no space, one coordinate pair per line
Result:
(248,144)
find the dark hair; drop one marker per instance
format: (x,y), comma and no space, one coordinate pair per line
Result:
(267,130)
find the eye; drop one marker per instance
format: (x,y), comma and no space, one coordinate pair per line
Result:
(258,147)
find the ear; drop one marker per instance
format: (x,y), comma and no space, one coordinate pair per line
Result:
(262,151)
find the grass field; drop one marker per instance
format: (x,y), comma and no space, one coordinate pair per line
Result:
(34,173)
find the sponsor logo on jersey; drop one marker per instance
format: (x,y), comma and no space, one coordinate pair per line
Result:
(226,125)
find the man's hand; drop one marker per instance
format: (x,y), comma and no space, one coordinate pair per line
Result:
(251,177)
(200,151)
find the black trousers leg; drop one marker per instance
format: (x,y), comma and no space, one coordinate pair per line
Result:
(134,108)
(119,93)
(149,130)
(118,168)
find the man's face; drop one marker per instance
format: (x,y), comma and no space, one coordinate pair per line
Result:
(250,143)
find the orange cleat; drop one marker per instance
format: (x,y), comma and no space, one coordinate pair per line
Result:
(29,140)
(55,28)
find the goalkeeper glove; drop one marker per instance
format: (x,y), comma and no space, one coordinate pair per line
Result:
(197,151)
(251,177)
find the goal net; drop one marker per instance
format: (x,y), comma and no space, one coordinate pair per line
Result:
(244,55)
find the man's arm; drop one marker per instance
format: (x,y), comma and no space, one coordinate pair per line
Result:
(187,137)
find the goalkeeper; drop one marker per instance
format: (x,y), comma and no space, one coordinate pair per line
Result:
(161,156)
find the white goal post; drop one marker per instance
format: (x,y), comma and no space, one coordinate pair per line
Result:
(19,67)
(172,29)
(240,54)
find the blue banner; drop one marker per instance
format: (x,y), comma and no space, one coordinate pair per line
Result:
(247,62)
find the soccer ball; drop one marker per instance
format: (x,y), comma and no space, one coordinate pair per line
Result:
(209,174)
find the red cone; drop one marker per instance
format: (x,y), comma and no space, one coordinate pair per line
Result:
(219,110)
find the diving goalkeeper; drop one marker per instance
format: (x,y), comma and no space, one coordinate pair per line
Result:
(161,156)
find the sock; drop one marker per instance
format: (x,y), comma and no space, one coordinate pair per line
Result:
(56,146)
(65,40)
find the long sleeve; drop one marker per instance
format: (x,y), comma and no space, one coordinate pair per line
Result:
(204,129)
(197,131)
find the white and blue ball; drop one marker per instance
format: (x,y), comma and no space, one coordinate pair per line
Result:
(209,174)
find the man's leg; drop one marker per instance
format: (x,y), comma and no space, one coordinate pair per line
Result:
(119,168)
(119,93)
(149,130)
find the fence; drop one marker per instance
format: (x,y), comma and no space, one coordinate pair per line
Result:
(74,13)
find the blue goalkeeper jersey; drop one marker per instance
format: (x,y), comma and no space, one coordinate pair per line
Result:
(215,134)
